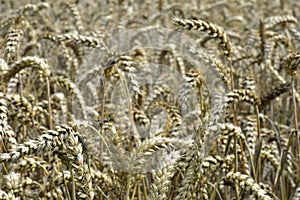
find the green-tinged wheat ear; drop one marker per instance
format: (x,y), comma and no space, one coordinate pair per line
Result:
(193,80)
(32,62)
(212,29)
(276,20)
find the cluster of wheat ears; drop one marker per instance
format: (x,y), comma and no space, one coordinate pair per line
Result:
(88,111)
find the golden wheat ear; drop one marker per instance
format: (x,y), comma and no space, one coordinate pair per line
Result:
(213,30)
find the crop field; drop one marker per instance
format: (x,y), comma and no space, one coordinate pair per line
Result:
(150,100)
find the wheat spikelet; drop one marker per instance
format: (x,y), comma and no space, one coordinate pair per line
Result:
(140,117)
(7,135)
(222,71)
(204,192)
(12,44)
(4,195)
(12,183)
(126,65)
(25,62)
(283,40)
(228,129)
(242,95)
(193,81)
(158,93)
(188,187)
(249,83)
(160,186)
(248,183)
(103,179)
(276,20)
(189,154)
(21,103)
(197,174)
(70,87)
(76,15)
(211,163)
(175,126)
(268,153)
(81,40)
(185,95)
(28,147)
(249,128)
(151,145)
(65,138)
(32,8)
(296,195)
(291,62)
(230,97)
(212,29)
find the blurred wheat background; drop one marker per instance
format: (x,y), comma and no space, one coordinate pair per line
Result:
(79,121)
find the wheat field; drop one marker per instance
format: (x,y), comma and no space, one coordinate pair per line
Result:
(163,100)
